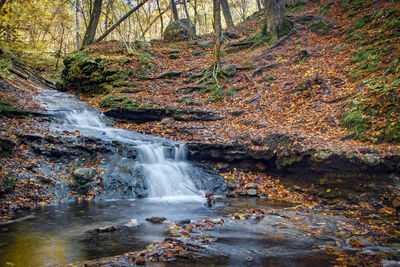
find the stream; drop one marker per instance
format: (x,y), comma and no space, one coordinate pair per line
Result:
(169,185)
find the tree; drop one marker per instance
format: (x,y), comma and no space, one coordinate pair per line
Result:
(174,10)
(109,30)
(227,13)
(217,30)
(90,33)
(274,16)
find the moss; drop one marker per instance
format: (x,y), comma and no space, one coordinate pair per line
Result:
(286,27)
(8,110)
(127,90)
(321,27)
(325,9)
(7,183)
(130,104)
(111,101)
(299,5)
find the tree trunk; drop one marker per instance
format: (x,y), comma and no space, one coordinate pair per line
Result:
(259,5)
(274,15)
(77,26)
(161,18)
(109,30)
(217,29)
(174,10)
(191,34)
(227,13)
(88,38)
(2,2)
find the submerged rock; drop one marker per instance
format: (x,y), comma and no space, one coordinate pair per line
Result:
(132,223)
(155,219)
(106,229)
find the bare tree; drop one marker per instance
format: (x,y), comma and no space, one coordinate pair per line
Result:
(109,30)
(161,18)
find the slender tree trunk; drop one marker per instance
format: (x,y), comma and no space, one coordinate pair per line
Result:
(109,30)
(61,46)
(227,13)
(93,22)
(77,26)
(274,15)
(161,18)
(191,34)
(174,10)
(217,30)
(259,5)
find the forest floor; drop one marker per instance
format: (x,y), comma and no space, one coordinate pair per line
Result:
(303,92)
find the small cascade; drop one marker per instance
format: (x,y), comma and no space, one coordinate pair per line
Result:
(165,169)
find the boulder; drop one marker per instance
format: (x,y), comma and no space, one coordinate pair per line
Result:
(205,44)
(179,30)
(229,70)
(83,176)
(6,147)
(143,45)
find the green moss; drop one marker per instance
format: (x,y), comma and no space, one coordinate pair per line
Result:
(321,27)
(299,5)
(325,9)
(8,110)
(112,102)
(127,90)
(7,184)
(286,27)
(5,66)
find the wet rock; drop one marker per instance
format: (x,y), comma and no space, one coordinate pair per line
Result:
(388,263)
(229,70)
(183,222)
(155,219)
(251,192)
(106,229)
(132,223)
(6,147)
(179,30)
(251,186)
(205,44)
(84,175)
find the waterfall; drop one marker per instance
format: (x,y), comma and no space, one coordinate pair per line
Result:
(165,168)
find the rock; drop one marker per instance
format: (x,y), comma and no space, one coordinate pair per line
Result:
(132,223)
(166,121)
(198,53)
(205,44)
(172,51)
(251,192)
(84,175)
(173,56)
(387,263)
(230,35)
(143,45)
(179,30)
(155,219)
(229,70)
(183,222)
(396,202)
(106,229)
(251,186)
(6,147)
(237,113)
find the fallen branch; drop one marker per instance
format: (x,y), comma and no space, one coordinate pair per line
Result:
(261,70)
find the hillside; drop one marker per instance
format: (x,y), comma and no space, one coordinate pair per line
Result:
(320,83)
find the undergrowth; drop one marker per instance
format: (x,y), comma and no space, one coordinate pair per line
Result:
(374,113)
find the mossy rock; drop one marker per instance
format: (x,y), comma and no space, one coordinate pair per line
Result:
(321,27)
(111,101)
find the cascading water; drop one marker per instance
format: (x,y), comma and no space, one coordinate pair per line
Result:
(165,168)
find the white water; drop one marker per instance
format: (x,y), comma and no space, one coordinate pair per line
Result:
(167,173)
